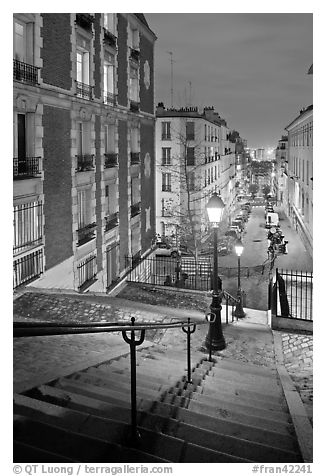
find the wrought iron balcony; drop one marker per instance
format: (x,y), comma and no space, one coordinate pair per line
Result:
(84,91)
(27,167)
(85,20)
(134,158)
(134,106)
(25,72)
(135,209)
(111,221)
(85,234)
(109,38)
(166,136)
(109,98)
(166,188)
(85,163)
(134,54)
(190,136)
(111,160)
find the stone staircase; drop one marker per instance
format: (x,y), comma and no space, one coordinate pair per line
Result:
(231,412)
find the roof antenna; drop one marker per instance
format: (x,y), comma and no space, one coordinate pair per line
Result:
(172,61)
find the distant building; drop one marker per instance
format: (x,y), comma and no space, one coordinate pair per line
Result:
(300,174)
(192,148)
(83,164)
(260,154)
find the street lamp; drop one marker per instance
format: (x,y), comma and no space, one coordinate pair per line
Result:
(215,339)
(239,312)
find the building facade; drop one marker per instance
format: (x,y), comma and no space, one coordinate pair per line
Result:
(280,188)
(300,175)
(83,166)
(194,158)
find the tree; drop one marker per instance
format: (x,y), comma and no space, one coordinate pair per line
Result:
(266,190)
(253,189)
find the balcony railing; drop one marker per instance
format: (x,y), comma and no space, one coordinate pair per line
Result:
(166,188)
(134,158)
(135,209)
(134,54)
(28,267)
(85,20)
(134,106)
(109,98)
(85,163)
(111,160)
(109,38)
(84,91)
(166,136)
(111,221)
(190,136)
(27,167)
(166,161)
(25,72)
(85,234)
(87,271)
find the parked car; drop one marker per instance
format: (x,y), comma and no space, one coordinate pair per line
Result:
(272,220)
(165,249)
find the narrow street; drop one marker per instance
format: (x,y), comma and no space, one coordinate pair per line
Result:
(255,254)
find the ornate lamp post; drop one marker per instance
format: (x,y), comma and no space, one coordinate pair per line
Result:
(239,312)
(215,339)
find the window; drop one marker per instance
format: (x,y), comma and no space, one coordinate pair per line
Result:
(28,225)
(83,215)
(134,139)
(166,155)
(190,156)
(111,201)
(133,84)
(166,207)
(133,38)
(135,190)
(205,132)
(166,130)
(191,181)
(166,182)
(19,41)
(109,22)
(190,131)
(108,79)
(83,66)
(20,136)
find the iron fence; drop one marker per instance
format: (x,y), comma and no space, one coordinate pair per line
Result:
(295,290)
(183,273)
(26,167)
(27,268)
(87,271)
(25,72)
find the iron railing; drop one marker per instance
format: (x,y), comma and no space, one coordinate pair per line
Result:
(25,72)
(28,225)
(294,290)
(87,271)
(28,267)
(109,38)
(85,20)
(109,98)
(134,158)
(111,160)
(86,233)
(135,209)
(166,136)
(134,54)
(83,90)
(85,162)
(111,221)
(26,167)
(134,106)
(23,329)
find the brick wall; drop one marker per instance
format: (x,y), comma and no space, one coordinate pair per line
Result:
(122,61)
(146,95)
(56,49)
(147,181)
(97,56)
(123,192)
(57,185)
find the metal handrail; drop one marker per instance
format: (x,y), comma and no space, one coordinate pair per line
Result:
(23,329)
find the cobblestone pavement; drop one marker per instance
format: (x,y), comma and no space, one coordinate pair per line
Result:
(298,361)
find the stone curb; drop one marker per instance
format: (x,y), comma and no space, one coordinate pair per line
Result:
(302,425)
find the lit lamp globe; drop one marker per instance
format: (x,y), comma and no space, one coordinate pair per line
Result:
(215,207)
(238,248)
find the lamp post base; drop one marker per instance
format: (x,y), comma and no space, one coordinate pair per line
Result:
(215,339)
(238,311)
(215,344)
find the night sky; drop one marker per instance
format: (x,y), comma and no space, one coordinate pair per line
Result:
(252,67)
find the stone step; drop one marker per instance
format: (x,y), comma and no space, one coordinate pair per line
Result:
(48,419)
(73,444)
(201,403)
(247,367)
(245,378)
(25,453)
(213,385)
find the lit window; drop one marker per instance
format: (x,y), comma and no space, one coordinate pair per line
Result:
(133,84)
(109,22)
